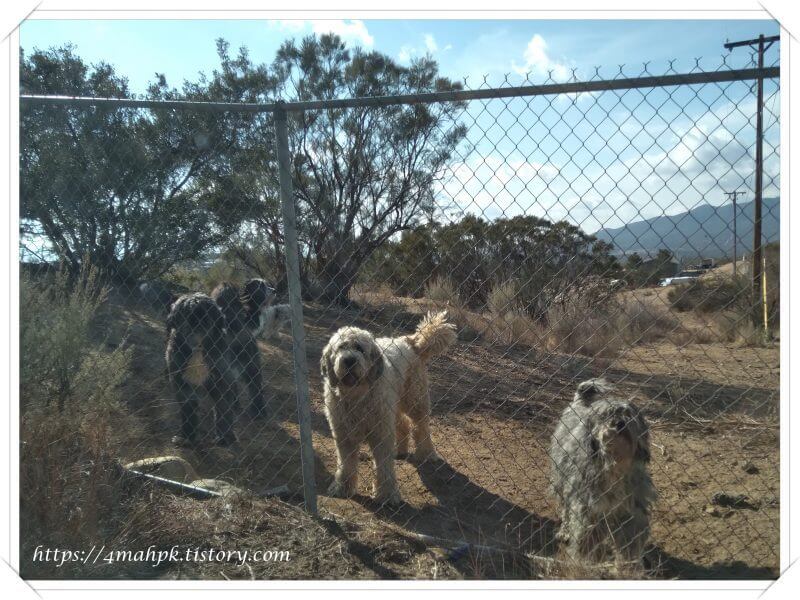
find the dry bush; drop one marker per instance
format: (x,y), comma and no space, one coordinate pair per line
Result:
(368,292)
(711,295)
(576,326)
(707,334)
(443,291)
(572,329)
(739,329)
(503,298)
(205,279)
(641,322)
(73,423)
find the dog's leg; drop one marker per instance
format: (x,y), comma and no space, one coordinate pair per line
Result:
(403,435)
(417,405)
(221,386)
(582,534)
(179,352)
(250,358)
(423,445)
(382,444)
(630,534)
(346,478)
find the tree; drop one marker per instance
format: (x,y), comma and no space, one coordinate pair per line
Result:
(361,175)
(122,188)
(541,258)
(634,261)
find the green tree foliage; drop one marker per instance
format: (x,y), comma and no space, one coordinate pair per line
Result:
(539,256)
(129,190)
(640,272)
(361,174)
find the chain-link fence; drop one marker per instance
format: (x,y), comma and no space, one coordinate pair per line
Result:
(570,230)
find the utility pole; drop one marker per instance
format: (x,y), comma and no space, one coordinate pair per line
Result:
(732,196)
(762,44)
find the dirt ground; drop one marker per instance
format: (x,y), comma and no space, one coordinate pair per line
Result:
(713,409)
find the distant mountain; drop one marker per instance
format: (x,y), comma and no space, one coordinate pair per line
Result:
(705,231)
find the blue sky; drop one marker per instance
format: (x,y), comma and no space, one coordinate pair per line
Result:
(140,48)
(597,160)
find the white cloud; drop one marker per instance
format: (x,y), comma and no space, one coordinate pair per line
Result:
(430,43)
(539,61)
(429,46)
(353,31)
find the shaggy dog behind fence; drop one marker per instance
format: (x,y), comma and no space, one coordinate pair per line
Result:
(211,341)
(376,391)
(599,452)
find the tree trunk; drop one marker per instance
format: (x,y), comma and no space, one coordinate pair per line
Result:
(336,277)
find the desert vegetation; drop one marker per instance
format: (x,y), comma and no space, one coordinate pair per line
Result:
(74,424)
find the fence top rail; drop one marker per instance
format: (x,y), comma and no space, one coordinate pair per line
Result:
(423,98)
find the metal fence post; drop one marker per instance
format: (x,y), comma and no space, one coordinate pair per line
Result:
(296,303)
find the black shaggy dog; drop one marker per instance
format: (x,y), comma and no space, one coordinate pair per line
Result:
(219,331)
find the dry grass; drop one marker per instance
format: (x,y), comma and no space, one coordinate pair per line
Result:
(604,330)
(734,328)
(443,291)
(577,326)
(503,298)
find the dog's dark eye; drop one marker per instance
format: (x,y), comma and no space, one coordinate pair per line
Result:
(594,445)
(620,425)
(358,348)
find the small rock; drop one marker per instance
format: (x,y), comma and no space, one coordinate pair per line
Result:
(748,467)
(732,500)
(712,510)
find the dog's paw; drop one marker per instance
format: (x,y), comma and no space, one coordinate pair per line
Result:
(391,498)
(338,489)
(429,456)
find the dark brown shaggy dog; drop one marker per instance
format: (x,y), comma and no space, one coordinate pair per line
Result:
(221,329)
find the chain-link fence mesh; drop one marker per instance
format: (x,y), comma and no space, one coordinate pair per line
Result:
(569,236)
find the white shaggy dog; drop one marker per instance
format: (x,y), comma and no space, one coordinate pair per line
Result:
(375,390)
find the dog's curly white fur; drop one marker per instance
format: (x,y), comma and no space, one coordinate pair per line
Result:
(376,391)
(599,453)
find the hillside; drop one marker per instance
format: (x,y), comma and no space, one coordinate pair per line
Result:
(703,231)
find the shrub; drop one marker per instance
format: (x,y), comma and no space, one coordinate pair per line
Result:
(73,423)
(504,298)
(737,328)
(444,291)
(205,279)
(711,295)
(54,328)
(572,329)
(641,322)
(579,326)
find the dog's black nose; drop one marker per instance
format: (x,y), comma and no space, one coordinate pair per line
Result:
(349,361)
